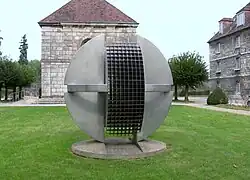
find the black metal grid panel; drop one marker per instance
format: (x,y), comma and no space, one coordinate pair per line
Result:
(126,89)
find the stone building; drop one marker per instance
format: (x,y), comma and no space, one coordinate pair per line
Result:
(230,57)
(67,29)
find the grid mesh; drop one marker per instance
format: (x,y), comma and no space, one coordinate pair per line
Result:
(126,89)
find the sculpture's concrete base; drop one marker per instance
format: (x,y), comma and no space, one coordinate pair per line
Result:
(117,149)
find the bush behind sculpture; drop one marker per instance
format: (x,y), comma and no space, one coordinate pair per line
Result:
(217,97)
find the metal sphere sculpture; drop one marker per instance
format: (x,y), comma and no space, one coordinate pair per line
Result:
(120,89)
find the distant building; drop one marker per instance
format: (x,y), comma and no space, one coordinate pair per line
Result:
(67,29)
(230,57)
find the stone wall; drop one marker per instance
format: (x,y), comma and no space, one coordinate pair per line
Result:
(224,69)
(53,79)
(59,45)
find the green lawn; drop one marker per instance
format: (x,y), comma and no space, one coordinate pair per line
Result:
(35,144)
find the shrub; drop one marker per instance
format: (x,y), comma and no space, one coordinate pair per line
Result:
(217,97)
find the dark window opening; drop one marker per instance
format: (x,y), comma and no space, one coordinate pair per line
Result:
(218,84)
(85,41)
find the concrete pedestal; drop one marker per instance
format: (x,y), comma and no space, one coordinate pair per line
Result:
(117,149)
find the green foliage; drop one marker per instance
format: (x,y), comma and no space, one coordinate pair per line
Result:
(36,66)
(1,38)
(8,71)
(27,75)
(23,58)
(18,74)
(188,70)
(8,75)
(191,70)
(195,93)
(217,97)
(13,74)
(1,72)
(174,66)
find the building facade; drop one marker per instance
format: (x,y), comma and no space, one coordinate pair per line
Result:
(67,29)
(229,57)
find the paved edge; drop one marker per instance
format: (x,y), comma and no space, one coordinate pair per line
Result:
(77,150)
(213,108)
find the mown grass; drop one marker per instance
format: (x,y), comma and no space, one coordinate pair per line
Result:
(36,141)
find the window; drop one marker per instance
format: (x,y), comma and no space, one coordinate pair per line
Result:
(221,27)
(85,41)
(217,48)
(237,87)
(218,66)
(240,19)
(218,83)
(237,41)
(237,62)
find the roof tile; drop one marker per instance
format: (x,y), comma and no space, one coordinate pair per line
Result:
(87,11)
(233,27)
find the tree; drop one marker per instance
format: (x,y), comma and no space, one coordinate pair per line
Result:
(190,71)
(174,65)
(23,58)
(16,69)
(36,66)
(27,77)
(1,38)
(1,78)
(1,65)
(8,73)
(13,75)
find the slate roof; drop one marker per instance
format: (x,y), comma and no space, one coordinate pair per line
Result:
(246,8)
(233,27)
(227,19)
(87,11)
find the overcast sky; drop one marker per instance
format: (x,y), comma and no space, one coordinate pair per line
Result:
(174,26)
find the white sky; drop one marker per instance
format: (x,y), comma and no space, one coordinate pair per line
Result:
(174,26)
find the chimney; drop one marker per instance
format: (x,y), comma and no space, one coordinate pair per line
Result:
(224,24)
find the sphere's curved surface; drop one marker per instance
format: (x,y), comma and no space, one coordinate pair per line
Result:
(157,71)
(89,109)
(87,67)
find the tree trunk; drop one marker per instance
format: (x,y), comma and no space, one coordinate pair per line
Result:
(186,93)
(14,93)
(6,93)
(20,92)
(175,93)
